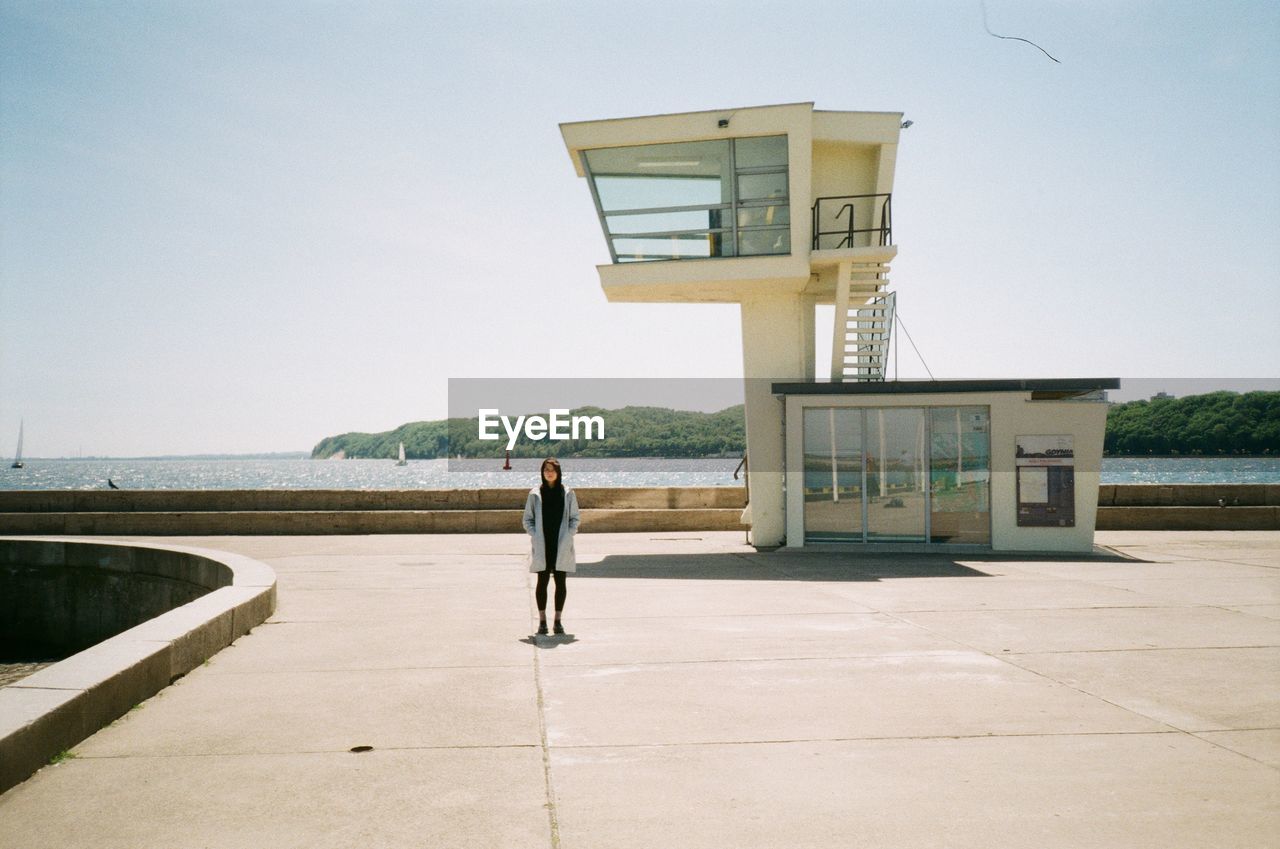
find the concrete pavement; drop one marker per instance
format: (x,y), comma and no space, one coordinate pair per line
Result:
(707,696)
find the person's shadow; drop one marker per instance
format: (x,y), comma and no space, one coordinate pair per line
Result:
(550,641)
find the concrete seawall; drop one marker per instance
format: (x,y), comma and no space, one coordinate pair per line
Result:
(213,500)
(215,512)
(1189,507)
(605,509)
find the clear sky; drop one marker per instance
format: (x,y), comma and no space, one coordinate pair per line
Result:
(244,226)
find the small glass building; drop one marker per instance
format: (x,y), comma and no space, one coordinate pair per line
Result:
(1002,464)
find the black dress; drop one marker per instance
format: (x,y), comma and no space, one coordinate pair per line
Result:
(552,514)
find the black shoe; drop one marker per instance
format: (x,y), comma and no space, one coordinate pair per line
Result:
(559,629)
(542,629)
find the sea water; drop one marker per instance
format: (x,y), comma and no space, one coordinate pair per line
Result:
(474,474)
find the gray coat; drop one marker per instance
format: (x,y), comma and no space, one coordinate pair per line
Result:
(566,560)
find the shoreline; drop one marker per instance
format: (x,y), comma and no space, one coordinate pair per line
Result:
(301,456)
(498,510)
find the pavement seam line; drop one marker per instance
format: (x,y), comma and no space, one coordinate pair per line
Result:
(700,661)
(898,738)
(1139,649)
(594,665)
(1008,658)
(552,814)
(255,754)
(1100,698)
(356,669)
(1164,606)
(1199,735)
(1238,563)
(1004,658)
(1228,609)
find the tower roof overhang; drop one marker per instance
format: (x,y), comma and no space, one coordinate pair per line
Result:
(815,124)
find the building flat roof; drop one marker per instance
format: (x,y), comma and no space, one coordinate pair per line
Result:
(1064,386)
(733,109)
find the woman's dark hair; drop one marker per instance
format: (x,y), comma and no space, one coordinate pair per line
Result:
(555,464)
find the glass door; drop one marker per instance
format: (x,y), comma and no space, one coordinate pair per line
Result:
(896,479)
(960,475)
(833,475)
(897,474)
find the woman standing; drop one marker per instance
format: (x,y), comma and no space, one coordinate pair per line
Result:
(551,518)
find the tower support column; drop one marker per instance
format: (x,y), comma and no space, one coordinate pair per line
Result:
(777,345)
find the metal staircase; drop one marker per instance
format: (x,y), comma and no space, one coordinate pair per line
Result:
(863,321)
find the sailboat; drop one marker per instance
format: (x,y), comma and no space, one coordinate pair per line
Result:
(402,461)
(17,455)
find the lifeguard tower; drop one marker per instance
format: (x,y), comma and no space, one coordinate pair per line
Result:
(780,209)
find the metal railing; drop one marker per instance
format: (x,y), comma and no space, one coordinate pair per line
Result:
(849,234)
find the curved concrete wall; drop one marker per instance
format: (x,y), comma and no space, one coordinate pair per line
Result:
(63,600)
(59,706)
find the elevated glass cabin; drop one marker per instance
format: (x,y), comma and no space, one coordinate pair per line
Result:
(693,200)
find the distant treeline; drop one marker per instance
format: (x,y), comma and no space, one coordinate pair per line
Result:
(629,432)
(1219,423)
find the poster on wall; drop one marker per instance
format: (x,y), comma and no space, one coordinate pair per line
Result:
(1046,467)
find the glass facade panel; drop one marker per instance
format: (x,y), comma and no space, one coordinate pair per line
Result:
(872,474)
(764,242)
(832,474)
(652,196)
(686,246)
(661,175)
(895,451)
(960,475)
(663,222)
(761,152)
(641,192)
(762,186)
(764,216)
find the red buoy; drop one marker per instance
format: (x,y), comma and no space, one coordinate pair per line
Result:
(506,467)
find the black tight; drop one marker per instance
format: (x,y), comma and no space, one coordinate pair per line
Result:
(540,593)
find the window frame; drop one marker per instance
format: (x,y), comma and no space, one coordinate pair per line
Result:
(863,535)
(732,227)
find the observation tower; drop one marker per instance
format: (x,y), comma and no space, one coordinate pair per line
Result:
(780,209)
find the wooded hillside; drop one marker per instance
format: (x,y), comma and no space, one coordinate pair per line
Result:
(1218,423)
